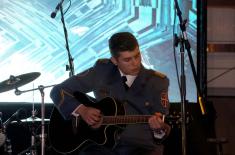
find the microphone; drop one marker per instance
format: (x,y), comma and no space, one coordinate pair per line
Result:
(182,22)
(13,117)
(53,14)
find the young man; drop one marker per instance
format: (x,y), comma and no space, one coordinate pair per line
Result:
(144,92)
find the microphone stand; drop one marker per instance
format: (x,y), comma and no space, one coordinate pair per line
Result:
(182,92)
(69,67)
(185,43)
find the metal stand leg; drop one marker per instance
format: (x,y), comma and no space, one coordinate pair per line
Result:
(219,142)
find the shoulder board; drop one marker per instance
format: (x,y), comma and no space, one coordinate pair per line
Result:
(103,61)
(161,75)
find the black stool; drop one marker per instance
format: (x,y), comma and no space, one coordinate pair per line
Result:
(219,143)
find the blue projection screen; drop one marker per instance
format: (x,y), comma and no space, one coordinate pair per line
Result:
(31,41)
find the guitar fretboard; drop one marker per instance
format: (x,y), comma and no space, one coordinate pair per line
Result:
(130,119)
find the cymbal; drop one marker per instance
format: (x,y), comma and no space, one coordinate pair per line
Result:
(16,81)
(31,120)
(36,119)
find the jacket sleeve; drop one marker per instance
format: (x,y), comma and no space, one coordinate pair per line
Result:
(62,94)
(160,87)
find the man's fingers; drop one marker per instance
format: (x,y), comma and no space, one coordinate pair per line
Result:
(156,122)
(96,118)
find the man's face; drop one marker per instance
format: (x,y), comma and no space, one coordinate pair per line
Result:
(128,62)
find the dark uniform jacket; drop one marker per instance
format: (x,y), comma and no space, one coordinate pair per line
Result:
(143,97)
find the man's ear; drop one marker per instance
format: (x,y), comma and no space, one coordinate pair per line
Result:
(114,61)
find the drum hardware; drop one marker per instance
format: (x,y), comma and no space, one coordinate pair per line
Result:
(14,82)
(42,136)
(32,123)
(31,149)
(14,117)
(30,120)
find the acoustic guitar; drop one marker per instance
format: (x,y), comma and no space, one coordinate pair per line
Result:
(67,136)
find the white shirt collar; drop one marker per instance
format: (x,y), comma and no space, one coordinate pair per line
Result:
(130,78)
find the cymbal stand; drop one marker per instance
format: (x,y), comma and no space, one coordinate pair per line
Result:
(33,136)
(42,136)
(41,89)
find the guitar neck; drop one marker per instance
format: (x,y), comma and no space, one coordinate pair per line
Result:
(122,119)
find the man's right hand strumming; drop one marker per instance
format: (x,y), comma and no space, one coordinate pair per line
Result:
(90,115)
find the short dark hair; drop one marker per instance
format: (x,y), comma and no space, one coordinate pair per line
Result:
(122,41)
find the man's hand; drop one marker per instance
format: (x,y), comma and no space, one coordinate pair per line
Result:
(91,116)
(156,122)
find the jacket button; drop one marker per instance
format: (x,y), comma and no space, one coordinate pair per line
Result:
(146,104)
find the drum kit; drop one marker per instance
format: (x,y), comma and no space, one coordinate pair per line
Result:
(14,82)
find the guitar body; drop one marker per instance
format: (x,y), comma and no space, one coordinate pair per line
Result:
(65,137)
